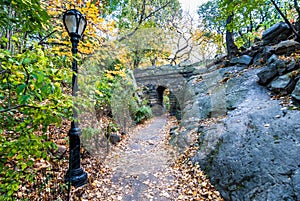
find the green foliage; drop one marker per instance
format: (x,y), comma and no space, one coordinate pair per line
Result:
(250,17)
(35,82)
(31,100)
(122,102)
(25,15)
(22,22)
(142,113)
(143,27)
(167,102)
(209,14)
(132,13)
(31,93)
(114,91)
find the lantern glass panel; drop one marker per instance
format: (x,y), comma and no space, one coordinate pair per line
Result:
(82,23)
(71,24)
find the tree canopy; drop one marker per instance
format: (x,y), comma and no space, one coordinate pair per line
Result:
(248,18)
(35,60)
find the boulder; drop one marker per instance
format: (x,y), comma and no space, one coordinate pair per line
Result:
(267,74)
(296,91)
(276,33)
(283,84)
(282,66)
(292,65)
(243,60)
(272,59)
(61,150)
(268,51)
(263,55)
(235,92)
(296,183)
(114,138)
(253,153)
(287,47)
(258,59)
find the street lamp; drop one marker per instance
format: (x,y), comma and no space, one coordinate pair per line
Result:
(75,24)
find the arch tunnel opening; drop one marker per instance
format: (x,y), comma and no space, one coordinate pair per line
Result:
(161,100)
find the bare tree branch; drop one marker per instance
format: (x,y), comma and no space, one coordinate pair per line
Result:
(27,79)
(47,36)
(286,21)
(18,106)
(142,19)
(185,34)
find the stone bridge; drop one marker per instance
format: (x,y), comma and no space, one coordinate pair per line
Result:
(170,81)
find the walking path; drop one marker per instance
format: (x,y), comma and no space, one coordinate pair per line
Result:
(142,170)
(143,167)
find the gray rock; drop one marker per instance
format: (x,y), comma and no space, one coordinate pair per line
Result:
(253,153)
(272,59)
(235,93)
(267,74)
(268,52)
(263,55)
(287,47)
(281,66)
(296,92)
(276,33)
(283,84)
(243,60)
(61,150)
(234,60)
(114,138)
(291,66)
(258,59)
(180,140)
(296,183)
(199,108)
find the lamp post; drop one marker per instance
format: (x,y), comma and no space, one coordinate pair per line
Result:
(75,24)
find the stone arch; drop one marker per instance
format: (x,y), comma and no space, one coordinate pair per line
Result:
(175,109)
(160,95)
(155,96)
(155,80)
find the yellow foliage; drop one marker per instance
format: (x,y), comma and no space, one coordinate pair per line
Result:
(118,66)
(96,29)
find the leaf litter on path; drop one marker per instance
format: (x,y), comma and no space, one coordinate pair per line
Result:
(141,167)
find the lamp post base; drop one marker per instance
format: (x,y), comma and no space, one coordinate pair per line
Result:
(77,177)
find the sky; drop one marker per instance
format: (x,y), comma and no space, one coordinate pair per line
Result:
(191,5)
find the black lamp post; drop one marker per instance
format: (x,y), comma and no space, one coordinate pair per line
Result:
(75,23)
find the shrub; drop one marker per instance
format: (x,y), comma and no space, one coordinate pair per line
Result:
(142,113)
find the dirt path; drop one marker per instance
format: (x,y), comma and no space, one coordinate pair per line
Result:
(142,170)
(143,167)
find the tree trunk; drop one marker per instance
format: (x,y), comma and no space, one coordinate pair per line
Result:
(136,58)
(232,49)
(297,36)
(297,23)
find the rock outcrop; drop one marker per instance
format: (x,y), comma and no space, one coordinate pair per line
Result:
(252,153)
(276,33)
(252,150)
